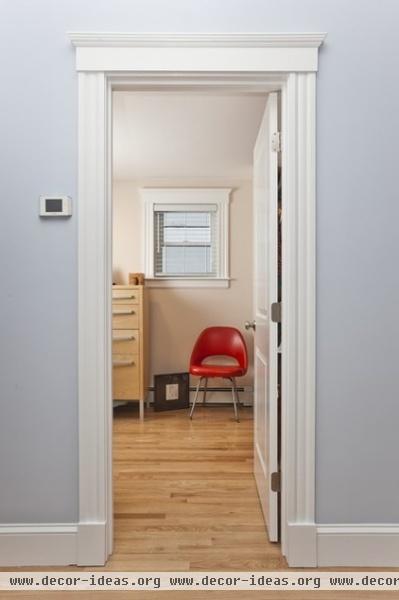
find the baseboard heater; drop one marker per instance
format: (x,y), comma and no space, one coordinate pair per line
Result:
(243,389)
(193,388)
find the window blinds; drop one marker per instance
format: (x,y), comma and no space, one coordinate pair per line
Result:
(185,241)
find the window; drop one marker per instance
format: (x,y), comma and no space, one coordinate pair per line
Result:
(186,236)
(185,243)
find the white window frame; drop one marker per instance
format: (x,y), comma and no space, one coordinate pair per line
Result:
(185,196)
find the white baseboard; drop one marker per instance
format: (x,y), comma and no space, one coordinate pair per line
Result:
(35,545)
(49,544)
(358,545)
(308,545)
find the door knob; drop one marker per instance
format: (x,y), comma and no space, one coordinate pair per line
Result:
(250,325)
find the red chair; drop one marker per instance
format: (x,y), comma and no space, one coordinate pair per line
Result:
(219,341)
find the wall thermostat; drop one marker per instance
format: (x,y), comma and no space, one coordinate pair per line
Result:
(55,206)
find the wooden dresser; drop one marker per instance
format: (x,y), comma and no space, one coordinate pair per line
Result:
(129,343)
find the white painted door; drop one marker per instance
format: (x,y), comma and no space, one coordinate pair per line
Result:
(265,333)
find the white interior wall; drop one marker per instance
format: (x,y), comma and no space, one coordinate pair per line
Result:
(177,315)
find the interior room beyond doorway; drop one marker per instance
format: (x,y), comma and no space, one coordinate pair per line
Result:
(187,145)
(192,141)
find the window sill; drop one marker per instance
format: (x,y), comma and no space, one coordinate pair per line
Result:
(187,282)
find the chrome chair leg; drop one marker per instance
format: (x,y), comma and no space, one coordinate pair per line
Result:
(195,397)
(205,390)
(234,392)
(239,403)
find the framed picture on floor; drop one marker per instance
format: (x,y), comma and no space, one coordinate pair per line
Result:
(171,391)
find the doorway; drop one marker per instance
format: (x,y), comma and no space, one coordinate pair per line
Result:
(288,62)
(180,159)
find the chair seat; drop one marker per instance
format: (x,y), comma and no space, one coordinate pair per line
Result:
(226,371)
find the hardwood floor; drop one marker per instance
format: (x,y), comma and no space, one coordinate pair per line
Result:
(185,499)
(185,496)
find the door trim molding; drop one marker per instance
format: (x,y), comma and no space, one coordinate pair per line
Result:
(94,305)
(299,306)
(104,39)
(212,52)
(143,65)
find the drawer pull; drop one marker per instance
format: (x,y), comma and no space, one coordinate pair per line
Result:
(123,338)
(123,363)
(123,312)
(124,297)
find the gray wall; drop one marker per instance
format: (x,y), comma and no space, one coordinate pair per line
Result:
(358,287)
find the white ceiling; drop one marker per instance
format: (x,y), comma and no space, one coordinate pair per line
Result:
(174,135)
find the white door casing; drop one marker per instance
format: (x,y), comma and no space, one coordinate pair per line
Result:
(233,63)
(265,333)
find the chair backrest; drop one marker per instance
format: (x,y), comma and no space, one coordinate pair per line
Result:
(220,341)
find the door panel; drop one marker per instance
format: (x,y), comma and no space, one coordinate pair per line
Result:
(265,335)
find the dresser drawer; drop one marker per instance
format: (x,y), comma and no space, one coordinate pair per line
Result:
(125,316)
(125,296)
(125,377)
(125,341)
